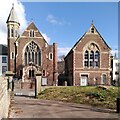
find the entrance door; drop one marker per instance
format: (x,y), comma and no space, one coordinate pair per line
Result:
(31,73)
(84,80)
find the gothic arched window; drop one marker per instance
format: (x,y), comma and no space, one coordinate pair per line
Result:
(97,57)
(92,59)
(32,54)
(86,59)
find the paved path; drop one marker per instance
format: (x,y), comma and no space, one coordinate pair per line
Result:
(26,107)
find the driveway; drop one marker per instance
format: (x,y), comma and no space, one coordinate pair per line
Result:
(28,107)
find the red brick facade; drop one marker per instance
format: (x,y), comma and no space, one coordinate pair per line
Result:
(33,53)
(98,66)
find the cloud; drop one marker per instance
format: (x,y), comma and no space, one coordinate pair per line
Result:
(5,8)
(63,51)
(53,20)
(46,37)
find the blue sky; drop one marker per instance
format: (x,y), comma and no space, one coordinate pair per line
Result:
(65,23)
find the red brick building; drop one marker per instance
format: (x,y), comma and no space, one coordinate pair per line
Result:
(33,53)
(89,61)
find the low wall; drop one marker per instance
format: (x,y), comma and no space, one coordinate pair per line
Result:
(4,98)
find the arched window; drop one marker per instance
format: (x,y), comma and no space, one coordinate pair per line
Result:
(92,30)
(92,59)
(25,58)
(32,54)
(104,77)
(32,34)
(97,58)
(12,32)
(86,59)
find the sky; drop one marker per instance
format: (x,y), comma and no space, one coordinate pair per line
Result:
(65,22)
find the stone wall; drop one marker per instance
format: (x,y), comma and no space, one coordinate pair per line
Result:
(4,98)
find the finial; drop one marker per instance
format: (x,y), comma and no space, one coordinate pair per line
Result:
(31,19)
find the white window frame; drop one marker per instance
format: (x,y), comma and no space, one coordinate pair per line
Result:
(50,56)
(31,35)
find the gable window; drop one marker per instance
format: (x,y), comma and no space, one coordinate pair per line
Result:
(32,34)
(32,54)
(4,59)
(91,59)
(92,30)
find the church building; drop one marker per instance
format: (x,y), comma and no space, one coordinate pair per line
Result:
(89,61)
(29,53)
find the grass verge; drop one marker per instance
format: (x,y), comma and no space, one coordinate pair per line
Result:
(91,95)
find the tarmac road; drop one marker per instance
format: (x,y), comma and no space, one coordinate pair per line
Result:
(28,107)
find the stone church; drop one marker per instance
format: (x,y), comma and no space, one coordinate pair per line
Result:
(30,53)
(89,61)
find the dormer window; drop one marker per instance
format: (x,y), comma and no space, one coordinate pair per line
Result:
(92,30)
(32,34)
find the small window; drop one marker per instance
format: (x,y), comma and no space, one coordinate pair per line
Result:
(8,32)
(92,30)
(12,55)
(4,59)
(4,69)
(12,32)
(30,73)
(21,73)
(104,78)
(16,33)
(44,73)
(50,56)
(32,34)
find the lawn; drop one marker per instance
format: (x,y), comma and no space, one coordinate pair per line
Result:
(91,95)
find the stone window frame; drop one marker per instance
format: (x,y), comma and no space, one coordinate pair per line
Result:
(4,59)
(31,33)
(90,47)
(50,56)
(31,50)
(92,30)
(12,32)
(102,81)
